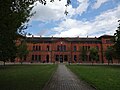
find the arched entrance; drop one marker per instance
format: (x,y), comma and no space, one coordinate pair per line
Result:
(61,58)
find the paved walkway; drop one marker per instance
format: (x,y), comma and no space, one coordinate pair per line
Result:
(64,79)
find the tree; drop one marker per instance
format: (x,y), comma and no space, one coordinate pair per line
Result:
(94,54)
(109,54)
(84,55)
(13,15)
(7,51)
(117,43)
(22,51)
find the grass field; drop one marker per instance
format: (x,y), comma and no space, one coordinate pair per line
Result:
(102,77)
(25,77)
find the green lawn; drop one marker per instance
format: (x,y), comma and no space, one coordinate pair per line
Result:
(25,77)
(102,77)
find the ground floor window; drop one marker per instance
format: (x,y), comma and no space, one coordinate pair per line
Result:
(39,58)
(32,57)
(57,58)
(75,57)
(65,58)
(36,58)
(47,58)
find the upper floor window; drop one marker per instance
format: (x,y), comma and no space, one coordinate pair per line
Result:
(61,48)
(108,41)
(33,48)
(75,49)
(64,48)
(48,48)
(36,48)
(39,48)
(58,48)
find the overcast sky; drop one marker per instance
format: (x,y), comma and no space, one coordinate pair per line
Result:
(85,18)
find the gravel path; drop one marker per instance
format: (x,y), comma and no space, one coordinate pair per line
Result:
(64,79)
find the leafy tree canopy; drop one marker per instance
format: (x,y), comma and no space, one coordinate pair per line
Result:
(22,51)
(94,54)
(117,42)
(13,15)
(84,55)
(109,53)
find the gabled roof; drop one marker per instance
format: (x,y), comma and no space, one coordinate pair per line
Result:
(106,36)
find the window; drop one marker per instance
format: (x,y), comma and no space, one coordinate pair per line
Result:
(32,57)
(61,48)
(39,48)
(57,57)
(35,57)
(64,48)
(33,48)
(75,58)
(65,58)
(75,48)
(47,58)
(39,57)
(58,48)
(108,41)
(48,48)
(36,48)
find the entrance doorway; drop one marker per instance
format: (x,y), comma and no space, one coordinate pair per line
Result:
(61,59)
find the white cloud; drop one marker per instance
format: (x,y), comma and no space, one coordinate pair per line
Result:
(71,27)
(55,11)
(83,5)
(50,11)
(105,23)
(99,3)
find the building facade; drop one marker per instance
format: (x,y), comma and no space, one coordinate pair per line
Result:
(66,49)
